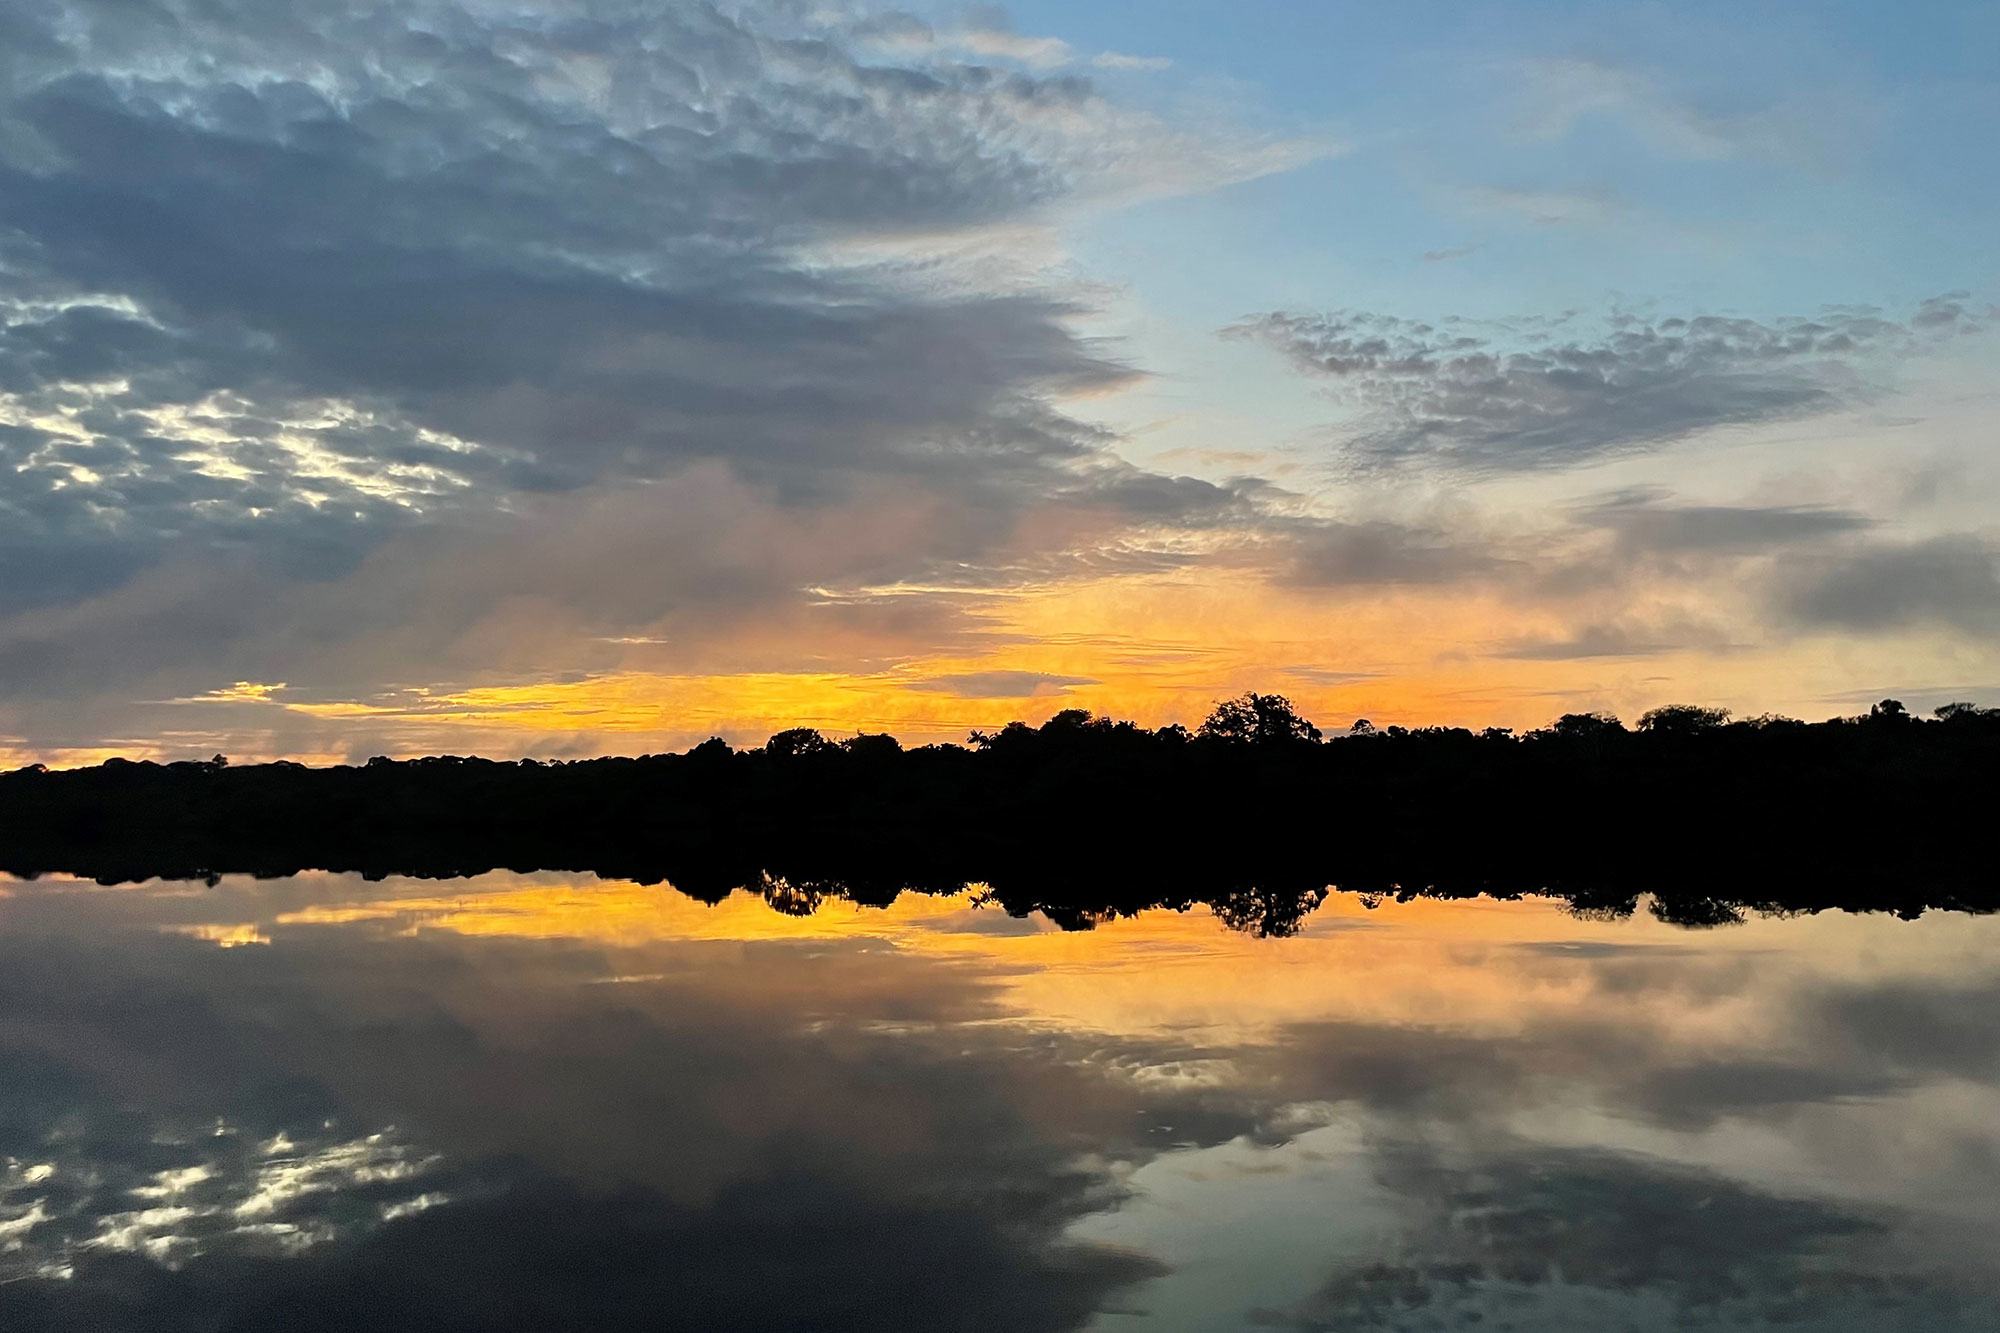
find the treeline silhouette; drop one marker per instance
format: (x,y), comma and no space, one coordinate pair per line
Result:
(1254,813)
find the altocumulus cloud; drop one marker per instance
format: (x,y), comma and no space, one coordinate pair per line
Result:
(1529,395)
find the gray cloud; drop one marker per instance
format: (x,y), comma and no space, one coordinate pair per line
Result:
(408,1032)
(526,253)
(1331,675)
(1646,520)
(1612,540)
(701,572)
(1620,638)
(709,566)
(131,1035)
(1590,1238)
(1952,581)
(1000,684)
(1518,397)
(294,299)
(1384,551)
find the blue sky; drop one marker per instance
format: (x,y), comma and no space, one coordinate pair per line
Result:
(1759,157)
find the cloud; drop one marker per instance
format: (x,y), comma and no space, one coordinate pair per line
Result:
(242,691)
(1645,520)
(840,1202)
(568,258)
(1951,581)
(1914,1029)
(1559,95)
(1522,396)
(1544,208)
(1001,684)
(426,281)
(1621,638)
(696,560)
(988,34)
(899,1085)
(1336,552)
(1448,254)
(1558,92)
(1331,675)
(1603,1237)
(1006,44)
(1119,60)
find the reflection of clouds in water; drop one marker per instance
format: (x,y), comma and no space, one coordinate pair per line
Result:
(228,1191)
(1528,1236)
(883,1116)
(750,1129)
(223,936)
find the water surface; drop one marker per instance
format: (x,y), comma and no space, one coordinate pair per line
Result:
(531,1101)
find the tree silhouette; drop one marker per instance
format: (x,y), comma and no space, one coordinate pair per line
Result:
(1682,720)
(1582,726)
(872,745)
(1087,818)
(797,741)
(1258,719)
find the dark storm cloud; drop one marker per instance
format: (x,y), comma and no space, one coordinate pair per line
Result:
(1486,398)
(1951,581)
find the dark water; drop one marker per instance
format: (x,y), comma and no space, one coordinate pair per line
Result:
(535,1102)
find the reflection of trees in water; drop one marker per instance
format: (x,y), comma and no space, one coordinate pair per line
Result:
(1267,911)
(1085,818)
(795,899)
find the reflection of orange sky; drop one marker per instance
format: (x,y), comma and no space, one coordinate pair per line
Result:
(1321,1029)
(1179,998)
(1426,962)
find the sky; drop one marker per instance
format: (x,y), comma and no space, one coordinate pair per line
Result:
(560,379)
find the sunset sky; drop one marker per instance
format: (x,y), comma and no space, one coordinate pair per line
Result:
(572,378)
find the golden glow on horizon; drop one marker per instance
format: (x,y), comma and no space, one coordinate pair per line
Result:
(1154,649)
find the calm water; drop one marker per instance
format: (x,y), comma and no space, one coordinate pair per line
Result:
(539,1101)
